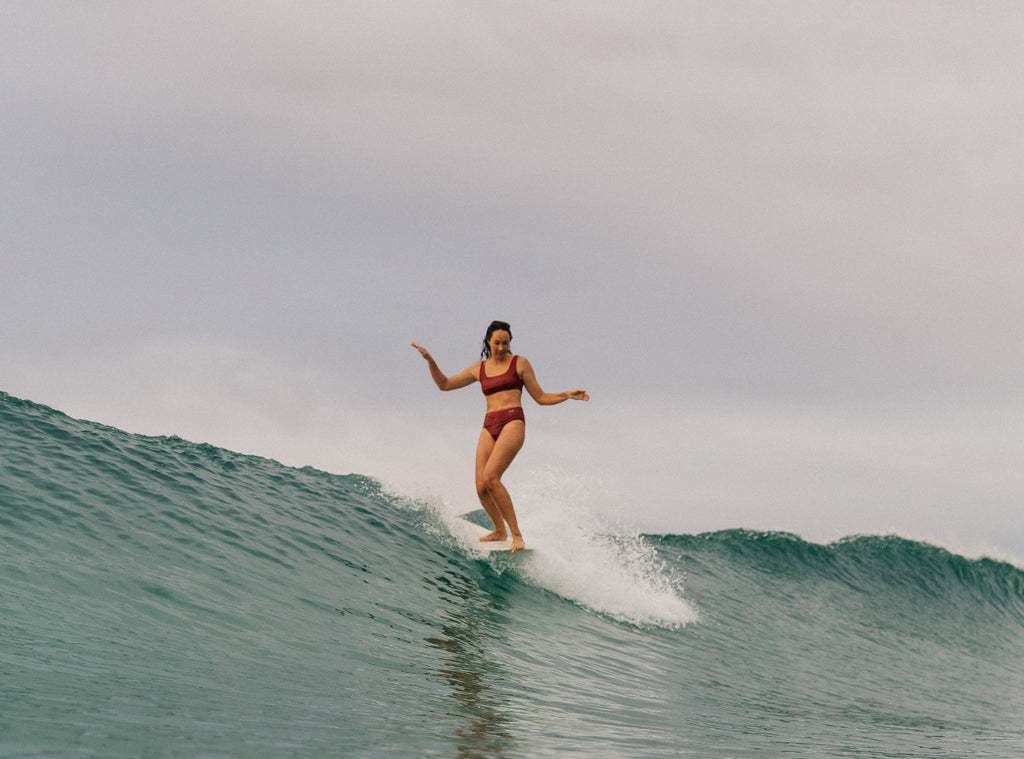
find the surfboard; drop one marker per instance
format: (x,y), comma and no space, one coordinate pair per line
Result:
(473,532)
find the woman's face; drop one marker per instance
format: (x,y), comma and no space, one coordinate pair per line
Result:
(500,342)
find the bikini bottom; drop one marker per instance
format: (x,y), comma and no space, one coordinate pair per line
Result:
(495,421)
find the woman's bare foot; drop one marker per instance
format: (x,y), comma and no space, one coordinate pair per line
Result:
(492,536)
(517,543)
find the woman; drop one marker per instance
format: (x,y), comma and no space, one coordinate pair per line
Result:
(502,377)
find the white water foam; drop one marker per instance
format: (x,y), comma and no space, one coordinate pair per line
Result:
(584,559)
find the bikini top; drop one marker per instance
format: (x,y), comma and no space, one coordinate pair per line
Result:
(507,381)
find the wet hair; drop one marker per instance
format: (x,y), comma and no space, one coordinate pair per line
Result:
(494,327)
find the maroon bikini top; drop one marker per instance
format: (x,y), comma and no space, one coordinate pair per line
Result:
(507,381)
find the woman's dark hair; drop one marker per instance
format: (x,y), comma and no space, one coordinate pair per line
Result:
(494,327)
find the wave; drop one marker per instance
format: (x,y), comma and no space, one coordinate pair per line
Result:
(885,565)
(163,597)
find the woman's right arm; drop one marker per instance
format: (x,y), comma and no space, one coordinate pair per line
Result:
(466,377)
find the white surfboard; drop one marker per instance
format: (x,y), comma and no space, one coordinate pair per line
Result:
(473,532)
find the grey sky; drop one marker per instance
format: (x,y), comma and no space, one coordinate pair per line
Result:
(778,242)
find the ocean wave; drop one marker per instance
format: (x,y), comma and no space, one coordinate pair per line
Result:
(885,565)
(160,597)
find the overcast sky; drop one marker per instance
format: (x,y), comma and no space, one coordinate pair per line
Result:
(779,243)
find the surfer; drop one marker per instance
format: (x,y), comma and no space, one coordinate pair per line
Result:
(502,377)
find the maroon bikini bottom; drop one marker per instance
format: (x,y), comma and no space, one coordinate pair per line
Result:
(495,421)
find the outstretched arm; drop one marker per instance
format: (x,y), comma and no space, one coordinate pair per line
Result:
(463,378)
(546,399)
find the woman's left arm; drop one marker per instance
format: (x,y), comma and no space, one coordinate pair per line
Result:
(545,399)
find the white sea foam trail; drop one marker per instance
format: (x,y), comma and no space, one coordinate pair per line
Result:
(583,559)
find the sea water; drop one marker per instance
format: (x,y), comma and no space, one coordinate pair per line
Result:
(161,598)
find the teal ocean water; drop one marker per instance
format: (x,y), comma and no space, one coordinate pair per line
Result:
(161,598)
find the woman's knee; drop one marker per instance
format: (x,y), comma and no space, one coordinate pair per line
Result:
(488,483)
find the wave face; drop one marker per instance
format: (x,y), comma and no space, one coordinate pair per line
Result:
(160,598)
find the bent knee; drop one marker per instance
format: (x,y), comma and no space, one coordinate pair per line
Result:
(488,484)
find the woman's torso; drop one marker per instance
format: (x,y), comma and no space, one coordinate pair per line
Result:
(501,384)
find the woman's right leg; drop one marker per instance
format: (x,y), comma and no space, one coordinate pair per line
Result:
(483,452)
(493,458)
